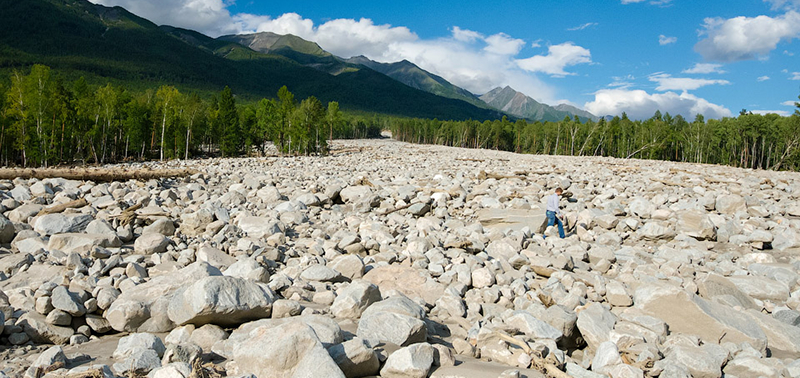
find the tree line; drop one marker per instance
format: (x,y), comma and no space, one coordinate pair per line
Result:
(46,120)
(750,140)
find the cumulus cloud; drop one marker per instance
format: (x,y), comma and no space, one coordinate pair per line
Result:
(763,78)
(743,38)
(652,2)
(638,104)
(668,83)
(584,26)
(557,58)
(466,58)
(784,4)
(704,68)
(782,113)
(207,16)
(664,40)
(795,76)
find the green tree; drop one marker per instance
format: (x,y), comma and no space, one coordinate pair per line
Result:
(229,123)
(166,96)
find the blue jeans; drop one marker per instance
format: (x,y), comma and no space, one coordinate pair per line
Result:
(551,218)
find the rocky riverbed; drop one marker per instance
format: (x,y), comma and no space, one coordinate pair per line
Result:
(397,260)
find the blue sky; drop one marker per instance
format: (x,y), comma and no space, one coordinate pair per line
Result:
(607,56)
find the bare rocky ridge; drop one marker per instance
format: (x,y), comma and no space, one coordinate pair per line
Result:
(404,260)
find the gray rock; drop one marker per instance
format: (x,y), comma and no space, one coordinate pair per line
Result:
(595,323)
(208,335)
(696,224)
(97,323)
(82,243)
(606,357)
(350,266)
(40,331)
(59,318)
(67,301)
(351,301)
(730,204)
(7,230)
(352,194)
(295,351)
(761,288)
(248,269)
(701,362)
(148,244)
(50,357)
(161,226)
(689,314)
(320,273)
(144,307)
(138,341)
(283,308)
(326,330)
(100,226)
(221,300)
(397,320)
(259,227)
(139,363)
(533,327)
(355,358)
(51,224)
(413,361)
(755,367)
(215,257)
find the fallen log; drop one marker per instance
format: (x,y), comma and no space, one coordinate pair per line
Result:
(94,174)
(78,203)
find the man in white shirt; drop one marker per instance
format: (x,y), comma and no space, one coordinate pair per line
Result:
(554,212)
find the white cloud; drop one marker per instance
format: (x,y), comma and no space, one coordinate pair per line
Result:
(786,52)
(502,44)
(795,76)
(466,58)
(622,82)
(704,68)
(664,40)
(662,3)
(784,4)
(788,103)
(743,38)
(464,35)
(558,57)
(763,78)
(584,26)
(638,104)
(668,83)
(782,113)
(207,16)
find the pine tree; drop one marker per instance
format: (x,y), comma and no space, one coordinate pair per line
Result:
(229,123)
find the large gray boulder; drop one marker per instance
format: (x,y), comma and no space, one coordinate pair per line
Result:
(326,329)
(596,323)
(397,320)
(221,300)
(143,308)
(82,243)
(730,204)
(293,351)
(40,331)
(51,224)
(351,301)
(7,230)
(260,227)
(413,361)
(696,223)
(689,314)
(355,358)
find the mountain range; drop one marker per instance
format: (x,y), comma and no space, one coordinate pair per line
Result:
(110,44)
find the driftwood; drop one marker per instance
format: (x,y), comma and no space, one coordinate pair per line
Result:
(78,203)
(94,174)
(128,215)
(483,176)
(538,362)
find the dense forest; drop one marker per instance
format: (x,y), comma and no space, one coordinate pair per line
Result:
(46,120)
(749,140)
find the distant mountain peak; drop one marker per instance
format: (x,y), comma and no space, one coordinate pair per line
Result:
(518,104)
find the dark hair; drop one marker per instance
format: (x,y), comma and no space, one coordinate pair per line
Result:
(559,190)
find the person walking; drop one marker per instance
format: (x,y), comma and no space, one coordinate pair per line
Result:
(554,212)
